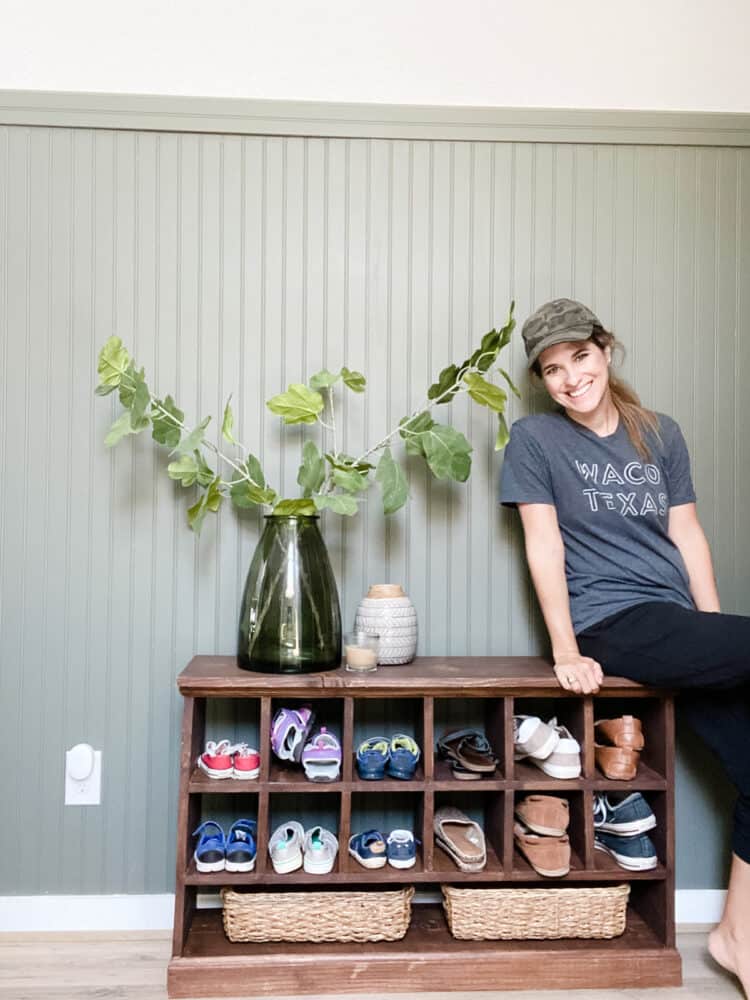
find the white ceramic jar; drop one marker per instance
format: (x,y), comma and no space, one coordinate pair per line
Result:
(387,612)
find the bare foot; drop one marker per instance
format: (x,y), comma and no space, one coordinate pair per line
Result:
(727,951)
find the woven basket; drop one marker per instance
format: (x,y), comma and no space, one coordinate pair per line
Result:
(517,914)
(317,916)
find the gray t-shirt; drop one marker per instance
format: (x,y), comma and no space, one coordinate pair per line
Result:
(611,506)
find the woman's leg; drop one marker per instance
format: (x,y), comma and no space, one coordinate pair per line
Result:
(707,657)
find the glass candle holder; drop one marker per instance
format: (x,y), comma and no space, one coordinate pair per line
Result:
(361,652)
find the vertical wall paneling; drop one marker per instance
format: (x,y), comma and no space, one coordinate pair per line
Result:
(236,265)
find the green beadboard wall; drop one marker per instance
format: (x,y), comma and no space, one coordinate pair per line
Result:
(240,263)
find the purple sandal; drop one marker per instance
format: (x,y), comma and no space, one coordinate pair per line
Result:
(321,757)
(289,731)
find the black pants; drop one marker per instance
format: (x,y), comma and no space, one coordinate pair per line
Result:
(706,658)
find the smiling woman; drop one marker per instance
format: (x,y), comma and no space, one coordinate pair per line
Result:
(621,566)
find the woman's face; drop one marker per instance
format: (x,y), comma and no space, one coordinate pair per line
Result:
(576,375)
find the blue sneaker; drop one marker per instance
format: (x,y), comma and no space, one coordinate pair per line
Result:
(241,846)
(210,852)
(632,815)
(404,754)
(368,848)
(401,849)
(636,854)
(372,756)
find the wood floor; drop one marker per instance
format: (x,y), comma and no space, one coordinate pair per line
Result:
(132,966)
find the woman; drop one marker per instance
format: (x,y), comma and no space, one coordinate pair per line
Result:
(621,566)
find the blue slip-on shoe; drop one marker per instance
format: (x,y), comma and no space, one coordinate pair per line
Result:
(404,754)
(401,849)
(631,816)
(372,756)
(210,852)
(636,854)
(241,846)
(368,848)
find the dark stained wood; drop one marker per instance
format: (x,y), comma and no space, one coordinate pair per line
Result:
(428,955)
(205,962)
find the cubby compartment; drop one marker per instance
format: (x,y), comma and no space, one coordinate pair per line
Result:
(567,712)
(385,812)
(224,810)
(309,811)
(326,712)
(487,808)
(606,864)
(451,715)
(233,719)
(576,831)
(652,760)
(388,717)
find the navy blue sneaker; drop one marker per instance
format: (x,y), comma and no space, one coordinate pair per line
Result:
(241,846)
(401,849)
(210,852)
(372,756)
(636,854)
(403,757)
(368,848)
(632,815)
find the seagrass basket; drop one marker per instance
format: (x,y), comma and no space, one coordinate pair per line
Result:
(317,916)
(535,914)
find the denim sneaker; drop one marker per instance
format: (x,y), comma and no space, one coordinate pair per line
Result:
(636,854)
(632,815)
(404,754)
(401,849)
(368,848)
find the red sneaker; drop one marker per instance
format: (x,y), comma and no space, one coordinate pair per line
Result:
(246,762)
(216,759)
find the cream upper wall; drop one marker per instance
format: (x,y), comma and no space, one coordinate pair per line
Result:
(671,54)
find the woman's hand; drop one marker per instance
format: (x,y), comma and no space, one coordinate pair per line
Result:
(578,673)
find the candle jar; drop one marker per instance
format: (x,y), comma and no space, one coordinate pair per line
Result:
(361,652)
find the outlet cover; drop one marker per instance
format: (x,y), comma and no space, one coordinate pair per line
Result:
(83,776)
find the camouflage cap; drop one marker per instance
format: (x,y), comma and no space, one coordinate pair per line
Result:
(556,322)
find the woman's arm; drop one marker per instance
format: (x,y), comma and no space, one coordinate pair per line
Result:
(685,531)
(545,555)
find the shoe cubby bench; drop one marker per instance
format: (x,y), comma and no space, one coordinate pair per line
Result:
(425,698)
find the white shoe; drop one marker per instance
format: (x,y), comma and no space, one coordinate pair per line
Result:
(320,848)
(285,847)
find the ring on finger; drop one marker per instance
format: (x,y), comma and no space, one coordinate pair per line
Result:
(570,679)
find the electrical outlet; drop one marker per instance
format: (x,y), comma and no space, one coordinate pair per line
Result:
(83,776)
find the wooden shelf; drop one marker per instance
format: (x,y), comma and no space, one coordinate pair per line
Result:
(204,961)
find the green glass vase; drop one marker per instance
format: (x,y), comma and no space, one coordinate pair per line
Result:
(290,620)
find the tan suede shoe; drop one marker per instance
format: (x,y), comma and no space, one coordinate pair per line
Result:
(548,815)
(616,762)
(623,732)
(549,856)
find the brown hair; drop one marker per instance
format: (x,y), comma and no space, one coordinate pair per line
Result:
(637,420)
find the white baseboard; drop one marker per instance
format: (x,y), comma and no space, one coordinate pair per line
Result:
(155,912)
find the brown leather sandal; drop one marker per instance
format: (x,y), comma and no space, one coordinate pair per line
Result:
(470,749)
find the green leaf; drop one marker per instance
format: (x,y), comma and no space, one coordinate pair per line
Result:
(104,390)
(211,500)
(290,507)
(205,472)
(113,362)
(122,427)
(194,439)
(245,494)
(411,428)
(336,502)
(448,453)
(254,471)
(127,385)
(228,423)
(298,405)
(392,481)
(354,380)
(508,329)
(350,480)
(446,381)
(323,380)
(503,434)
(346,462)
(185,469)
(510,382)
(141,399)
(166,429)
(312,472)
(485,393)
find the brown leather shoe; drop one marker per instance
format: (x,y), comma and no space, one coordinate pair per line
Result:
(623,732)
(549,856)
(618,763)
(545,814)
